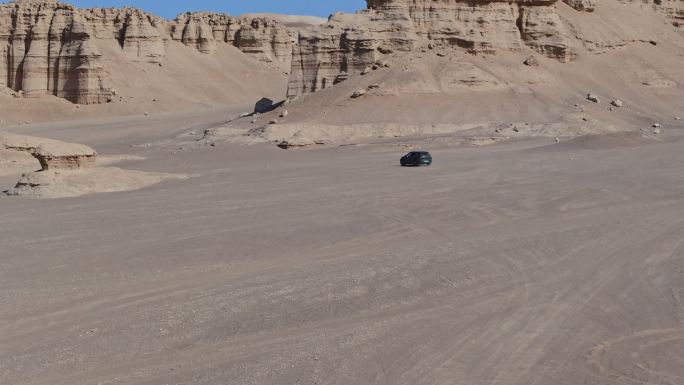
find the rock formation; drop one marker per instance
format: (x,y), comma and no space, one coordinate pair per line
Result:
(48,48)
(581,5)
(261,37)
(348,43)
(52,154)
(140,34)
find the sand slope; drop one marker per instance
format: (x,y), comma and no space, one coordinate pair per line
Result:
(188,80)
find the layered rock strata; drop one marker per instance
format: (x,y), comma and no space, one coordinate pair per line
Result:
(261,37)
(48,48)
(140,34)
(348,43)
(52,154)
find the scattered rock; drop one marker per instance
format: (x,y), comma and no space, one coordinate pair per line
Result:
(374,86)
(593,98)
(358,93)
(296,141)
(531,61)
(273,121)
(678,118)
(657,131)
(366,70)
(617,103)
(557,140)
(284,113)
(441,54)
(657,125)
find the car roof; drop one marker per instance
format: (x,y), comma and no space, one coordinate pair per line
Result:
(419,152)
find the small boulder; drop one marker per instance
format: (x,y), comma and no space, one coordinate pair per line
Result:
(273,121)
(264,105)
(366,70)
(617,103)
(358,93)
(284,113)
(678,118)
(374,86)
(531,61)
(593,98)
(384,49)
(657,125)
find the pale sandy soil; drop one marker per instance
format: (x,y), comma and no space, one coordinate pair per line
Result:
(520,263)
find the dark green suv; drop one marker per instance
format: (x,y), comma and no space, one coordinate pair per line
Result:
(416,158)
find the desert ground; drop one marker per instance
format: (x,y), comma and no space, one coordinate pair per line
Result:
(525,262)
(153,231)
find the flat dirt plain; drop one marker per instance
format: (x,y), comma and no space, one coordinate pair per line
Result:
(520,263)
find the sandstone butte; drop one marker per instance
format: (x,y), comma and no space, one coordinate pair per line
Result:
(46,48)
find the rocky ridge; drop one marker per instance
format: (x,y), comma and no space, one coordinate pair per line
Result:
(47,48)
(262,37)
(349,43)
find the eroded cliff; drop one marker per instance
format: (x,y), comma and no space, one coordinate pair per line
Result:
(261,37)
(47,48)
(349,43)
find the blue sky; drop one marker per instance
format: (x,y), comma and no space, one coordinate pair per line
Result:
(170,8)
